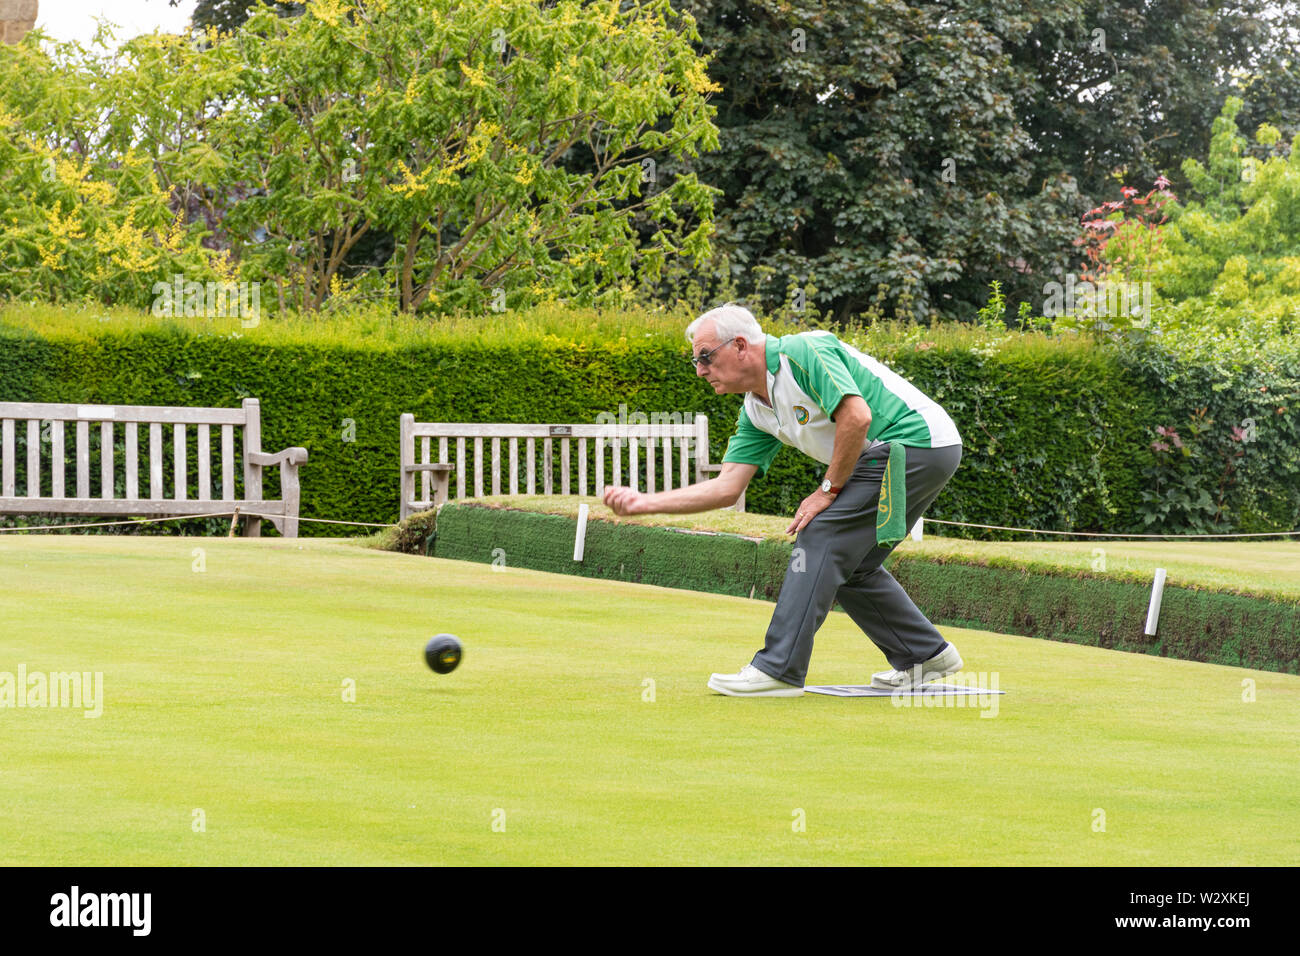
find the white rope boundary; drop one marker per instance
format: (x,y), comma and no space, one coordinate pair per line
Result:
(1100,534)
(371,524)
(213,514)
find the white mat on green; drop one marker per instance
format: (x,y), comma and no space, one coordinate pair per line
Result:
(925,690)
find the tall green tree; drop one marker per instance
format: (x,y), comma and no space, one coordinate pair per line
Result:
(1234,252)
(935,148)
(229,15)
(437,122)
(1113,89)
(870,145)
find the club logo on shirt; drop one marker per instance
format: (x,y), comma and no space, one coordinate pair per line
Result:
(801,415)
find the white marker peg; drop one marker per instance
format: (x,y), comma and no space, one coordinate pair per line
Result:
(1157,593)
(580,539)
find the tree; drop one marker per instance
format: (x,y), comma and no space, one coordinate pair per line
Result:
(1234,254)
(97,159)
(228,15)
(869,145)
(836,115)
(437,122)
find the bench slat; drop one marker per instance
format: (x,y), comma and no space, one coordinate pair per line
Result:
(205,463)
(633,464)
(600,467)
(478,466)
(120,413)
(106,477)
(564,466)
(496,466)
(132,460)
(701,447)
(514,466)
(33,458)
(7,457)
(460,468)
(426,479)
(179,477)
(547,487)
(155,460)
(582,467)
(83,459)
(532,483)
(227,462)
(56,459)
(650,466)
(252,472)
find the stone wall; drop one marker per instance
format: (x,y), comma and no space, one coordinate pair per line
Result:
(16,18)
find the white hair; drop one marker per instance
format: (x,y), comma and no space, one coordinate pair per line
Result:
(729,321)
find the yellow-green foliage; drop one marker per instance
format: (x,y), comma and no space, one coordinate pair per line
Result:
(1232,258)
(84,207)
(435,125)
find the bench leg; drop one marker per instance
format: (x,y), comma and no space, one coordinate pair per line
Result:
(252,527)
(291,495)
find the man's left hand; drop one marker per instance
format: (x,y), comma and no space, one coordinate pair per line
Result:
(811,506)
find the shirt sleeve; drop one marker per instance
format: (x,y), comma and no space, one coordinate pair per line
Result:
(750,445)
(821,372)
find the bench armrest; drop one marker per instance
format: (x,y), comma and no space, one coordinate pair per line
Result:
(291,456)
(288,460)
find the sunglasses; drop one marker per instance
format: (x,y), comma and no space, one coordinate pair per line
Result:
(706,358)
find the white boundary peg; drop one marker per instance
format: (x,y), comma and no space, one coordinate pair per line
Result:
(580,539)
(1157,593)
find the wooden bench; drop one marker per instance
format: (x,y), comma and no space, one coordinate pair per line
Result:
(47,491)
(683,449)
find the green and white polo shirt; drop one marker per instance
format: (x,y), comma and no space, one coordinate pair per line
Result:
(808,374)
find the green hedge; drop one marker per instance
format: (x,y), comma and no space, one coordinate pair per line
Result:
(1057,432)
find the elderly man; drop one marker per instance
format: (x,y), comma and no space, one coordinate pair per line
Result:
(889,451)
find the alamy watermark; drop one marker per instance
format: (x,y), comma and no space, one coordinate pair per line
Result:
(1102,298)
(968,696)
(76,908)
(621,428)
(73,689)
(212,300)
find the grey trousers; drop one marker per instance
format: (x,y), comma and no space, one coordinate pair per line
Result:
(836,558)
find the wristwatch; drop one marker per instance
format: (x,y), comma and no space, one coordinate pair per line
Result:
(826,487)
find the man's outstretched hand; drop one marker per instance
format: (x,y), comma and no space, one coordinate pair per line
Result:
(624,501)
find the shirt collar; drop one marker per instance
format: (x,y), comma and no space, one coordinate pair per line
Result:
(770,344)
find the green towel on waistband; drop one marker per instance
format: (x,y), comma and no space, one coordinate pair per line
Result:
(891,512)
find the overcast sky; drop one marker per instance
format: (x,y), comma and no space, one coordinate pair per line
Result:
(75,19)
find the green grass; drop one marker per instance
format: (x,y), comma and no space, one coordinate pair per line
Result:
(223,692)
(1267,567)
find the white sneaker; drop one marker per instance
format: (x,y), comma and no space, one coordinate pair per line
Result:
(752,682)
(946,662)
